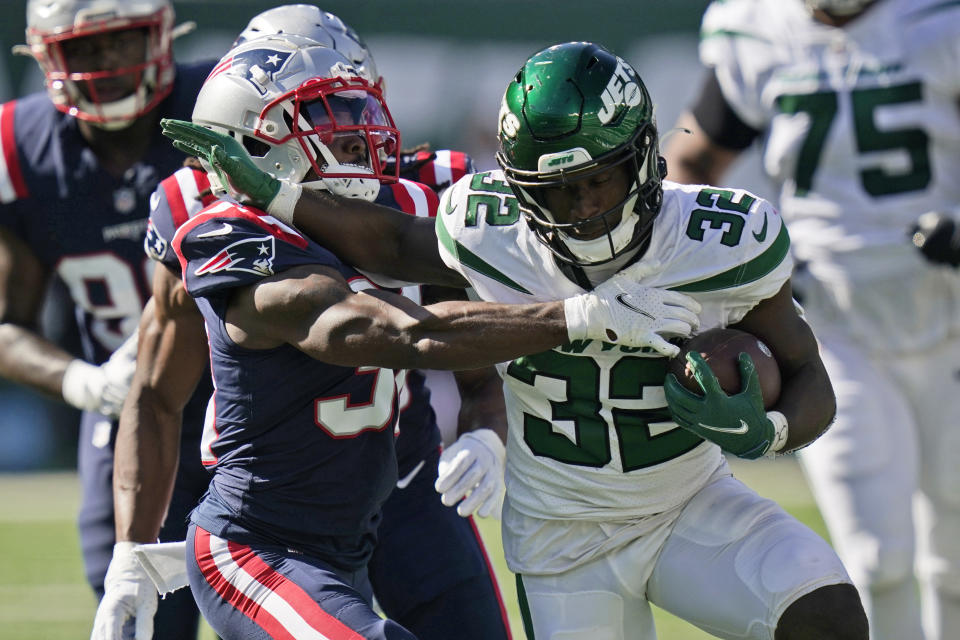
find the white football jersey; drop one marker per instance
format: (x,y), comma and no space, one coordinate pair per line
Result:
(862,135)
(590,436)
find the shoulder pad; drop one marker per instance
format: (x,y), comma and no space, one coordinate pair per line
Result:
(727,238)
(228,245)
(176,199)
(742,40)
(930,29)
(731,17)
(436,169)
(478,223)
(410,197)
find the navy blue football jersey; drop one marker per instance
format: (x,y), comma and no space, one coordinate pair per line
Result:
(302,451)
(184,194)
(83,223)
(436,169)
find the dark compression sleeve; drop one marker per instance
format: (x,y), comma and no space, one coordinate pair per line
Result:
(718,120)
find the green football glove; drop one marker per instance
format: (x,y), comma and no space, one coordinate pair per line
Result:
(228,158)
(737,423)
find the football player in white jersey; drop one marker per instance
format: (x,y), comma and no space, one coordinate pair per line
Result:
(855,105)
(618,494)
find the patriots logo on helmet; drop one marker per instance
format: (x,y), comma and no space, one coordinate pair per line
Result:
(250,255)
(258,66)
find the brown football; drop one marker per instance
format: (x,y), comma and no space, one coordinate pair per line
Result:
(720,348)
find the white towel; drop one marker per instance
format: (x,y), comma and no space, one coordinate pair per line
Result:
(165,563)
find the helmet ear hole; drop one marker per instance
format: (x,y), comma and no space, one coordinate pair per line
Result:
(256,148)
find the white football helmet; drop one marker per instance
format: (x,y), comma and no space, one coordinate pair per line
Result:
(321,26)
(292,104)
(50,23)
(839,7)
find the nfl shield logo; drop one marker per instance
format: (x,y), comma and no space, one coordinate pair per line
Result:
(124,200)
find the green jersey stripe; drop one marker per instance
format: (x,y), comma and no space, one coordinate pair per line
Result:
(472,260)
(745,273)
(730,33)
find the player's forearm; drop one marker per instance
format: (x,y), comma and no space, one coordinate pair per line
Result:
(29,359)
(171,358)
(808,402)
(446,335)
(460,335)
(692,158)
(482,404)
(374,238)
(145,464)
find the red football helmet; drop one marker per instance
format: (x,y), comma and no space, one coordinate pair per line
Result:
(83,48)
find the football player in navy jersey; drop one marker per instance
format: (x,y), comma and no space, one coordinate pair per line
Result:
(79,164)
(429,570)
(298,432)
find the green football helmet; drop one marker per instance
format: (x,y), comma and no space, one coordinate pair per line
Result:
(575,110)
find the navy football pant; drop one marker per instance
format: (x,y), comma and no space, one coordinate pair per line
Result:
(430,571)
(177,616)
(266,591)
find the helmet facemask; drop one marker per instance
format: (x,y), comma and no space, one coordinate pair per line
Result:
(344,113)
(76,93)
(636,210)
(297,107)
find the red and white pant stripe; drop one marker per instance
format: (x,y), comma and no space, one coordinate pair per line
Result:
(268,598)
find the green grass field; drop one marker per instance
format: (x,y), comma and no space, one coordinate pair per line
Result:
(43,594)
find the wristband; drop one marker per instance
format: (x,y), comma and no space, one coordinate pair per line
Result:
(781,430)
(283,204)
(575,315)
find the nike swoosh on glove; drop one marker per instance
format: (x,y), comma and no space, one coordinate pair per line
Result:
(471,470)
(130,599)
(623,311)
(737,423)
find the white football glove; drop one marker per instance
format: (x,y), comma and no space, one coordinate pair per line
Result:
(623,311)
(471,469)
(129,602)
(101,388)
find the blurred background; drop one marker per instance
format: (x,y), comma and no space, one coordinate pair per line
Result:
(446,65)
